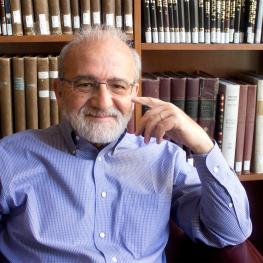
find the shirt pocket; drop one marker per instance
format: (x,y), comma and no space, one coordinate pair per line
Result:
(145,222)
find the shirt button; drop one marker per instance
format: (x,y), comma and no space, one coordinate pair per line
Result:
(230,205)
(103,194)
(114,259)
(77,138)
(102,235)
(99,158)
(216,169)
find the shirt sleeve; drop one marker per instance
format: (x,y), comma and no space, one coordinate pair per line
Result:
(209,202)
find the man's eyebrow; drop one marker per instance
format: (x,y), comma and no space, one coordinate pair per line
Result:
(91,77)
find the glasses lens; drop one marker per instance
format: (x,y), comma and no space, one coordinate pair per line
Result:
(84,85)
(119,87)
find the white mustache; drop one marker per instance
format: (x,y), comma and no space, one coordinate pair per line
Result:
(111,112)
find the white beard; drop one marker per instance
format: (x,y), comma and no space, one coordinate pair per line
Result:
(94,131)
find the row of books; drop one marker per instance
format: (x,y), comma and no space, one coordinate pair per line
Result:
(202,21)
(230,111)
(27,99)
(45,17)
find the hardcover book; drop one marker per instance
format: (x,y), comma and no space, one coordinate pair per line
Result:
(54,14)
(28,17)
(65,11)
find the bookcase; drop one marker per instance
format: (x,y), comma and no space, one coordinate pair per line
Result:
(218,59)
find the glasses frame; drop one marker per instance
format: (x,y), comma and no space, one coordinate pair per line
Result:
(97,84)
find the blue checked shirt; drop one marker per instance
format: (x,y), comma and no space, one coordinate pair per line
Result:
(62,200)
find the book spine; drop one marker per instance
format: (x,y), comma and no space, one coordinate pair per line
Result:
(201,22)
(159,16)
(207,21)
(222,21)
(213,21)
(230,121)
(243,21)
(220,119)
(6,112)
(108,13)
(30,71)
(43,92)
(90,13)
(53,74)
(251,21)
(28,17)
(241,122)
(181,21)
(249,127)
(75,12)
(193,4)
(218,21)
(65,11)
(153,17)
(176,21)
(17,28)
(128,16)
(178,88)
(232,20)
(8,17)
(166,22)
(237,22)
(95,12)
(165,89)
(55,19)
(259,17)
(118,14)
(19,94)
(3,18)
(227,21)
(187,21)
(147,21)
(171,21)
(42,17)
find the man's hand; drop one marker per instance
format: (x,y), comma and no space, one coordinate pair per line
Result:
(164,118)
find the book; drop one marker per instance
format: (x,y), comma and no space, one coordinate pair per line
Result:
(159,16)
(201,21)
(28,17)
(227,21)
(42,17)
(75,13)
(181,21)
(55,19)
(19,94)
(259,20)
(53,74)
(95,8)
(128,16)
(8,17)
(30,74)
(219,119)
(249,127)
(164,86)
(171,21)
(232,20)
(147,22)
(241,123)
(178,89)
(194,25)
(3,18)
(207,21)
(231,91)
(153,18)
(166,26)
(108,13)
(176,21)
(118,14)
(243,21)
(43,92)
(222,21)
(208,90)
(17,28)
(213,21)
(187,22)
(6,112)
(218,21)
(237,22)
(87,15)
(251,21)
(65,11)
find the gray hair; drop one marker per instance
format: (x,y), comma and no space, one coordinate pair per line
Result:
(100,33)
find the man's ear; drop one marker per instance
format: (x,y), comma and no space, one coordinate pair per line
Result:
(58,90)
(136,89)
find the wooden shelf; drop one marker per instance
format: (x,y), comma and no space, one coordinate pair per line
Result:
(251,177)
(206,47)
(36,39)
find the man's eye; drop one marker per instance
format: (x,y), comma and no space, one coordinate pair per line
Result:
(119,86)
(84,85)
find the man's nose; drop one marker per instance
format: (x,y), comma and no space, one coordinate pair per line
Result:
(102,98)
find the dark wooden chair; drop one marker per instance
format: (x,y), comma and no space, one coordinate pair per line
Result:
(180,249)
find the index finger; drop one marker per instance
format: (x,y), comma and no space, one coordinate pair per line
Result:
(148,101)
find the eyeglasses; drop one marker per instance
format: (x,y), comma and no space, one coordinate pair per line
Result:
(88,85)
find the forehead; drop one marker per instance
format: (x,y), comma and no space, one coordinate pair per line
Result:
(103,59)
